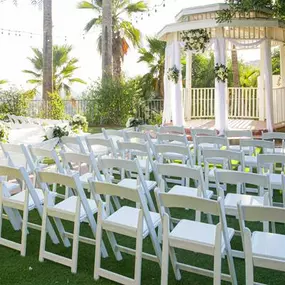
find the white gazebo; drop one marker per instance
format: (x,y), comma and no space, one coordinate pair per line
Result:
(255,30)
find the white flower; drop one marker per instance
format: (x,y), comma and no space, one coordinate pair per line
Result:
(197,34)
(191,41)
(202,40)
(49,132)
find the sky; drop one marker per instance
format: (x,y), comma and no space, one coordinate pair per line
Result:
(69,25)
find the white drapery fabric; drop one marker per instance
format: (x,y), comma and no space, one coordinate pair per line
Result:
(167,93)
(249,44)
(173,110)
(221,106)
(268,85)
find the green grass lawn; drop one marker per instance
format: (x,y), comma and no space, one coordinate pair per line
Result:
(28,270)
(15,269)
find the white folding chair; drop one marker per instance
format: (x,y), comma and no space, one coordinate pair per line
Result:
(226,159)
(208,142)
(254,147)
(25,201)
(100,146)
(195,236)
(129,221)
(236,136)
(74,144)
(164,171)
(141,151)
(75,209)
(148,128)
(176,139)
(114,135)
(172,130)
(266,163)
(169,152)
(84,164)
(261,248)
(138,137)
(276,136)
(127,168)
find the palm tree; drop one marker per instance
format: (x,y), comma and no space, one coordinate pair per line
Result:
(235,67)
(63,68)
(124,33)
(154,57)
(106,38)
(47,50)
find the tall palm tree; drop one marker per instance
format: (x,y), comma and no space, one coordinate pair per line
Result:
(154,57)
(47,49)
(106,38)
(236,79)
(63,69)
(124,33)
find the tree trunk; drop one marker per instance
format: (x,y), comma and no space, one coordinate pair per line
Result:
(107,39)
(236,80)
(47,49)
(117,55)
(161,82)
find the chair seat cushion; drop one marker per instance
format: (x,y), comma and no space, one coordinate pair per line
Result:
(268,245)
(20,198)
(132,183)
(69,205)
(232,200)
(188,191)
(195,233)
(127,218)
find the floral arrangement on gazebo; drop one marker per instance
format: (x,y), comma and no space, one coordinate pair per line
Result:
(195,40)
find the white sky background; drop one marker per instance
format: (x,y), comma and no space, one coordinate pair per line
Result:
(69,23)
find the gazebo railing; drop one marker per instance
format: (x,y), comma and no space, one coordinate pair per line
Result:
(279,105)
(199,103)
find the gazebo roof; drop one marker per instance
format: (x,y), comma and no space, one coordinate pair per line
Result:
(250,26)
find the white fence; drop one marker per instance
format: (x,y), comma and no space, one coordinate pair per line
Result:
(279,105)
(199,103)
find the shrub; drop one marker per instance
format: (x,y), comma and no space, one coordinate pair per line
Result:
(112,101)
(15,102)
(55,107)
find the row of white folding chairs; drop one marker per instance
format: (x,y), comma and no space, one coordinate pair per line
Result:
(38,121)
(137,223)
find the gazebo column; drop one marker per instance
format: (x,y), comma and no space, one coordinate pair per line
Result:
(188,86)
(268,85)
(282,64)
(261,90)
(221,109)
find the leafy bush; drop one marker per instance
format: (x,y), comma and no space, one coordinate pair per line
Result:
(112,101)
(55,107)
(15,102)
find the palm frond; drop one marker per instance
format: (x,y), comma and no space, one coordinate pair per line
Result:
(139,6)
(130,32)
(93,23)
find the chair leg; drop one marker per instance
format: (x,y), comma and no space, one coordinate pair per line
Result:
(97,264)
(165,252)
(24,231)
(139,245)
(43,234)
(113,242)
(217,268)
(75,244)
(249,271)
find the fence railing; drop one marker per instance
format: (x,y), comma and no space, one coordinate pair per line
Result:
(279,105)
(199,103)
